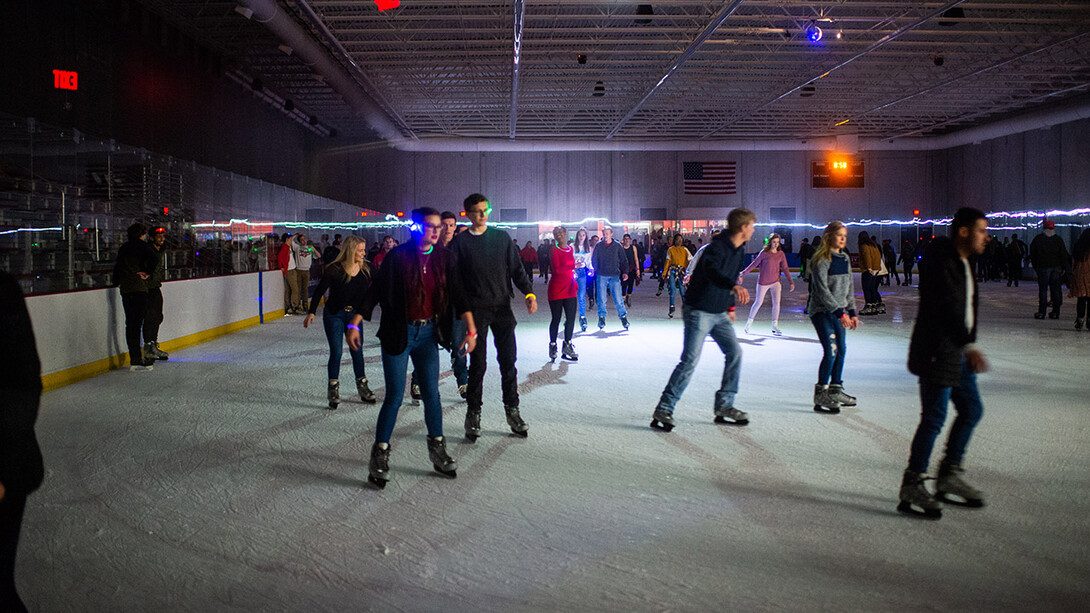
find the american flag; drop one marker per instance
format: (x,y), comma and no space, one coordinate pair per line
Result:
(710,178)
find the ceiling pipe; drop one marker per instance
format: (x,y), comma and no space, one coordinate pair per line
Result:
(710,29)
(968,136)
(362,78)
(520,16)
(267,12)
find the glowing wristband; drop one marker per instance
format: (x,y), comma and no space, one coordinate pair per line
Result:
(471,335)
(353,327)
(531,295)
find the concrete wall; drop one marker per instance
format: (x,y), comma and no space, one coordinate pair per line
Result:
(82,334)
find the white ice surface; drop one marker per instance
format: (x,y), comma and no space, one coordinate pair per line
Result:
(219,482)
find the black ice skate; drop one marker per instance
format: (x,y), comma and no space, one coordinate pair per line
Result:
(151,349)
(569,352)
(552,351)
(662,420)
(437,453)
(379,467)
(364,391)
(731,416)
(916,500)
(953,489)
(671,313)
(583,324)
(518,426)
(333,393)
(414,393)
(601,322)
(624,321)
(473,425)
(836,392)
(824,401)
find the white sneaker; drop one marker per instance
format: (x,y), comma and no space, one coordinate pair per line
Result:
(140,368)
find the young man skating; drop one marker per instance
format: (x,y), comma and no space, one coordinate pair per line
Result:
(709,309)
(942,354)
(487,262)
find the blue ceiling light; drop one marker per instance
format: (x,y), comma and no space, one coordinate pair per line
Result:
(813,33)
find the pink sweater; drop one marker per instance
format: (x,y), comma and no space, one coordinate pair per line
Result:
(772,264)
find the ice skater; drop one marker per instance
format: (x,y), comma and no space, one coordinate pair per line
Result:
(942,354)
(135,263)
(772,262)
(583,274)
(832,311)
(611,267)
(488,262)
(709,309)
(347,278)
(677,261)
(415,287)
(1079,287)
(154,316)
(562,294)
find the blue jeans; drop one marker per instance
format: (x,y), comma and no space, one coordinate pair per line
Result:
(334,324)
(831,334)
(1048,281)
(581,281)
(614,285)
(934,400)
(458,361)
(675,279)
(698,325)
(424,351)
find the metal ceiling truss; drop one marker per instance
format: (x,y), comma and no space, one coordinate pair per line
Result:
(708,70)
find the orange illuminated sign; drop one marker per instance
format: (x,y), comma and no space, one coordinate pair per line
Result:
(64,79)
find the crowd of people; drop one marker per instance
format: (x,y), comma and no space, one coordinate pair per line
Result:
(449,286)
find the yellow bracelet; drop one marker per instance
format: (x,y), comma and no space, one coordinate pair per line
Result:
(531,295)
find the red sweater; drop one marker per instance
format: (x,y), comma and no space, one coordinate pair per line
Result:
(562,284)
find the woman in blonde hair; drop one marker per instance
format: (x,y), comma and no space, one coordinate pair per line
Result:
(832,310)
(773,263)
(347,280)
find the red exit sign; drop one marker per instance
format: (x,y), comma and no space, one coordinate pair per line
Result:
(64,79)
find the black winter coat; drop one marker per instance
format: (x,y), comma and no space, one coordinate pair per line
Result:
(21,388)
(389,290)
(939,336)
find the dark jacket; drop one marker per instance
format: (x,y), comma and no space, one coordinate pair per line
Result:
(134,257)
(939,336)
(716,274)
(342,293)
(388,290)
(21,387)
(159,270)
(1048,252)
(609,260)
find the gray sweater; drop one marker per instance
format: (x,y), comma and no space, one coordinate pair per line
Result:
(832,287)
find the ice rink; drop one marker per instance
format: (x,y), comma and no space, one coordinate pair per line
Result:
(220,481)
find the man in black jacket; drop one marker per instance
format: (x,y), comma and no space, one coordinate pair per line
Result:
(135,263)
(944,357)
(20,459)
(709,309)
(1049,257)
(486,263)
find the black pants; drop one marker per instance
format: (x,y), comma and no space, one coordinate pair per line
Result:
(136,308)
(628,284)
(1081,307)
(529,266)
(502,323)
(565,307)
(11,521)
(892,268)
(154,315)
(1014,272)
(908,274)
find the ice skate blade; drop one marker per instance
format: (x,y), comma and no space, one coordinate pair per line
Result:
(523,434)
(826,410)
(446,473)
(911,511)
(333,406)
(719,419)
(969,503)
(379,483)
(658,425)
